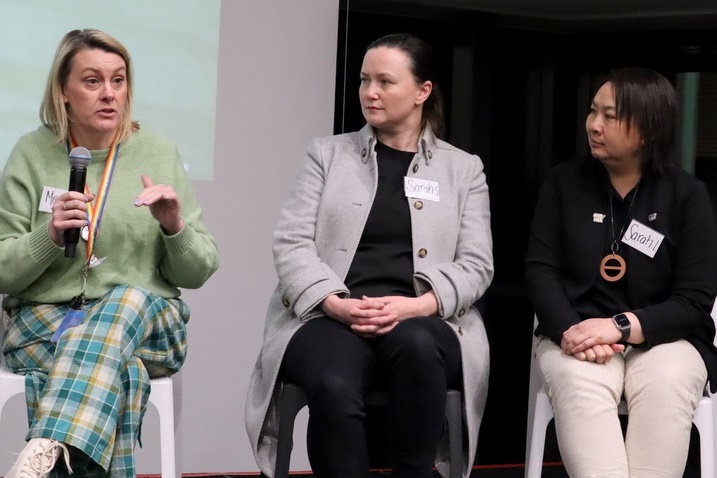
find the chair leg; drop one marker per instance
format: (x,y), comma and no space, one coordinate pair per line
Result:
(177,396)
(292,400)
(703,421)
(12,384)
(541,418)
(165,407)
(454,417)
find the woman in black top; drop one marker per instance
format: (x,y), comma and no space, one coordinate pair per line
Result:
(622,272)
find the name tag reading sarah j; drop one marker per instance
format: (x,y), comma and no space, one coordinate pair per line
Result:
(643,238)
(421,189)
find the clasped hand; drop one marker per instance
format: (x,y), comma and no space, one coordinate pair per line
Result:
(69,210)
(592,340)
(377,316)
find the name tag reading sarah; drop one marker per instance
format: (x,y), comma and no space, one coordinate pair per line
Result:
(643,238)
(420,189)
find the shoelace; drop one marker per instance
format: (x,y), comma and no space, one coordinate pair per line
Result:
(43,461)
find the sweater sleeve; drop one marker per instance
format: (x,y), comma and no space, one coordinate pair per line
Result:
(191,255)
(26,251)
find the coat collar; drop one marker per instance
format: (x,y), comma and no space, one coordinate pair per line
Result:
(427,143)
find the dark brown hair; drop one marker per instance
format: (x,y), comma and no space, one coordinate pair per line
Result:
(423,68)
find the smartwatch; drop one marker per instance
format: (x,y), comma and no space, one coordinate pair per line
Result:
(622,322)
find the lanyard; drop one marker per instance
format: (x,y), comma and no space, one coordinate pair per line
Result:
(95,211)
(76,314)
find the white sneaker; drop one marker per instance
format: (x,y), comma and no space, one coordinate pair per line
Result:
(38,458)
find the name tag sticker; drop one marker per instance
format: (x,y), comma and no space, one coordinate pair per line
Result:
(643,238)
(420,189)
(49,194)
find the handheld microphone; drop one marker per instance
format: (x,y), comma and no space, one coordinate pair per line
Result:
(79,159)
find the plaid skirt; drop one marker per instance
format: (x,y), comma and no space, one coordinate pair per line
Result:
(90,389)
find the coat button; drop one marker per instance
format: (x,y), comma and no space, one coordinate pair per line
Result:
(363,153)
(460,331)
(422,252)
(415,168)
(286,303)
(461,312)
(430,154)
(418,204)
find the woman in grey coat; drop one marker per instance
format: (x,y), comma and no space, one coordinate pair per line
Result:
(382,249)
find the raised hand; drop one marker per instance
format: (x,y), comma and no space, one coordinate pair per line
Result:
(163,204)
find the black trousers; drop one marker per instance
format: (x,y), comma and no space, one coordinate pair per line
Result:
(416,362)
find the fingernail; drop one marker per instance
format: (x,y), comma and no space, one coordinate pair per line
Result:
(137,202)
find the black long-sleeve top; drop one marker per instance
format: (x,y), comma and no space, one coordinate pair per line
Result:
(672,293)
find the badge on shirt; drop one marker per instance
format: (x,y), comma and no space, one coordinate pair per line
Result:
(95,261)
(643,238)
(49,194)
(420,189)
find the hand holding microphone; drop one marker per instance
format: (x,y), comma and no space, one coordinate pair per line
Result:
(79,160)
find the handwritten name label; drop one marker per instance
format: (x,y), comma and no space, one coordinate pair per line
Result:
(421,188)
(49,194)
(643,238)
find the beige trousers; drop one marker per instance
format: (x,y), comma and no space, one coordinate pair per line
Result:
(662,387)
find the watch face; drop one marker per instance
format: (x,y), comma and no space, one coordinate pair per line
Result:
(621,320)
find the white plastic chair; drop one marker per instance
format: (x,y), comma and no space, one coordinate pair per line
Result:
(540,412)
(165,395)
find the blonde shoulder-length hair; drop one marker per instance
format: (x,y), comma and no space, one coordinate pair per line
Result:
(53,110)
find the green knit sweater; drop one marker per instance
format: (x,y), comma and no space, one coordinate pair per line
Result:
(33,268)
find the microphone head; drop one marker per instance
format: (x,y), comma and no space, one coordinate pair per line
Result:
(80,157)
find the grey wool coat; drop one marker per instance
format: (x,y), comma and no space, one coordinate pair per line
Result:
(314,243)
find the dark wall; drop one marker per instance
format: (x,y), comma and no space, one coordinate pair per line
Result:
(527,92)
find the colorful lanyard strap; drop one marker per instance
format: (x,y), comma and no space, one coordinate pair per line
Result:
(95,211)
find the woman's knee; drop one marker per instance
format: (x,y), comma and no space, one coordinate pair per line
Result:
(668,372)
(414,338)
(334,395)
(569,380)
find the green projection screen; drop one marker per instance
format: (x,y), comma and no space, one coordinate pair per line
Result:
(174,47)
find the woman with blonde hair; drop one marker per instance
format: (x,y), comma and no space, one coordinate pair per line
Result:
(90,323)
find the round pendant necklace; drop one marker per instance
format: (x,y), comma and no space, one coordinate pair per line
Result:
(613,266)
